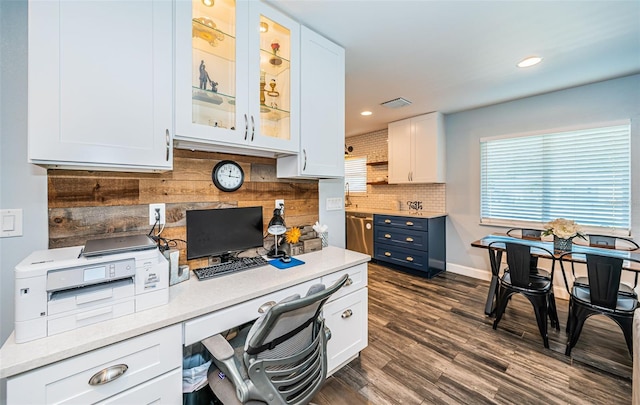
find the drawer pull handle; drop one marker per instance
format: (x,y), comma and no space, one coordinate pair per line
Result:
(108,374)
(388,254)
(386,235)
(409,258)
(387,221)
(265,307)
(348,282)
(347,314)
(409,223)
(409,239)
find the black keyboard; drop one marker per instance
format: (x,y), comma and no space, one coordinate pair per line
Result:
(236,265)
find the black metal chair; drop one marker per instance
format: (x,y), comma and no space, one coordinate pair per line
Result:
(609,242)
(517,278)
(530,234)
(601,296)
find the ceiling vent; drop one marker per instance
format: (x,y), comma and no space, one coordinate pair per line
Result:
(396,103)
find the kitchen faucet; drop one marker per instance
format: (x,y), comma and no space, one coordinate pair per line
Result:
(347,202)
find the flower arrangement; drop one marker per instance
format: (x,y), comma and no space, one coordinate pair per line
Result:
(563,229)
(293,235)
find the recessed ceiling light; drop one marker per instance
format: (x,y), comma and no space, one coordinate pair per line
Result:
(529,61)
(366,113)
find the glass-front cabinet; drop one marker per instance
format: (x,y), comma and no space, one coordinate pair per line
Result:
(237,77)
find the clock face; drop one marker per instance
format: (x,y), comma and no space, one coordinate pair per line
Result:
(227,175)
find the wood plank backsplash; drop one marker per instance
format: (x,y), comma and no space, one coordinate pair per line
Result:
(92,204)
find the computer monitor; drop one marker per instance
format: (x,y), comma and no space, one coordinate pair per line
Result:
(219,232)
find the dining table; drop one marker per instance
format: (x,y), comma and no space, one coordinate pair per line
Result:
(495,245)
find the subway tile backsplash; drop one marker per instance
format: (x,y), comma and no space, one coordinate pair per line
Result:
(390,196)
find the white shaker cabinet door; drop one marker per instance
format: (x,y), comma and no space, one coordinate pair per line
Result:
(100,84)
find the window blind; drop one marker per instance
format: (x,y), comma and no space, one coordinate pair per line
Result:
(355,174)
(583,175)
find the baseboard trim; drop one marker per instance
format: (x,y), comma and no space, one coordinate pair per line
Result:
(469,271)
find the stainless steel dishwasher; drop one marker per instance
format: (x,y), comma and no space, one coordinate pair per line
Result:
(360,233)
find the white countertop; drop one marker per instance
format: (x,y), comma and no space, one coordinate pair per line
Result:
(187,300)
(413,214)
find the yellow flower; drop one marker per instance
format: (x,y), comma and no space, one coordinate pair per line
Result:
(293,235)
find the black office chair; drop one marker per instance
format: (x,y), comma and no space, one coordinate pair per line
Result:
(601,295)
(281,359)
(517,278)
(609,242)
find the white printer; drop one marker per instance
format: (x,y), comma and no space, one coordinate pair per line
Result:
(57,290)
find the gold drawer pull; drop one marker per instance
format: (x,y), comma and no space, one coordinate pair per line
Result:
(409,223)
(347,314)
(386,235)
(348,282)
(108,374)
(265,307)
(409,258)
(387,221)
(409,239)
(388,254)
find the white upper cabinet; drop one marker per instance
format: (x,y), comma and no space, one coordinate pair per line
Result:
(322,109)
(100,84)
(237,78)
(417,150)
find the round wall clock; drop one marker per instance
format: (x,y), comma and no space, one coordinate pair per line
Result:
(227,175)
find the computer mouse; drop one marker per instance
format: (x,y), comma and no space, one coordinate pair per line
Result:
(285,259)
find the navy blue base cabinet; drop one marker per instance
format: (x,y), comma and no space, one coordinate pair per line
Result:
(409,243)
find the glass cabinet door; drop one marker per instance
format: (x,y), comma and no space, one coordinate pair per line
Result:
(274,57)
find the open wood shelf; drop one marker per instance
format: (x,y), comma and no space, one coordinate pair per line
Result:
(376,183)
(382,163)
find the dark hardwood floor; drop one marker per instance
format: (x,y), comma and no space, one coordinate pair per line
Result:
(430,343)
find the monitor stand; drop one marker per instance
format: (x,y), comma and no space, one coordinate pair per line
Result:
(223,258)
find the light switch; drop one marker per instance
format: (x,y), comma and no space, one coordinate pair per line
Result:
(334,204)
(11,221)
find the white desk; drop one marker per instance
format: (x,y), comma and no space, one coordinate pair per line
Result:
(196,309)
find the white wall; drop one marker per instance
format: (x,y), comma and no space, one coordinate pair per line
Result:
(600,102)
(22,185)
(335,220)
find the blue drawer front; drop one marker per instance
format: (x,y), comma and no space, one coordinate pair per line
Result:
(403,222)
(401,237)
(415,259)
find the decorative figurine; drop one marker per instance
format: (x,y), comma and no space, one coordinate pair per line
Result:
(204,76)
(273,92)
(214,86)
(275,60)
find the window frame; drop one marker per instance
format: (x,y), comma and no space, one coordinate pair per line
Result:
(359,185)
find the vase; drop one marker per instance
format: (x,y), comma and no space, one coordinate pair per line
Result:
(561,244)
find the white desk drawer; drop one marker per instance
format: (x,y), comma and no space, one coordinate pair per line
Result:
(166,389)
(202,327)
(357,280)
(347,318)
(67,382)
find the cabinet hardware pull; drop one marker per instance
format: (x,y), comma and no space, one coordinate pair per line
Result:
(388,254)
(409,176)
(168,137)
(409,258)
(108,374)
(246,127)
(253,128)
(304,167)
(265,307)
(347,314)
(387,221)
(386,235)
(409,223)
(348,282)
(409,239)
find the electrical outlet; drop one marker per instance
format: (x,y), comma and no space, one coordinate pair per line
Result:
(152,213)
(280,203)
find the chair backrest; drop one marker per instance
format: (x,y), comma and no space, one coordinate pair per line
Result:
(519,263)
(604,274)
(525,233)
(285,350)
(608,242)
